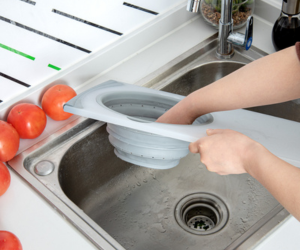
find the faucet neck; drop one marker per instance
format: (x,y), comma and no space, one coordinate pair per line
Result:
(193,6)
(225,48)
(226,11)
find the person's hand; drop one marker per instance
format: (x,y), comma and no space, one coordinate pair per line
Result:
(226,151)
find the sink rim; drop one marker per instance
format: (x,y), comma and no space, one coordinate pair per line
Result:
(84,223)
(190,59)
(77,217)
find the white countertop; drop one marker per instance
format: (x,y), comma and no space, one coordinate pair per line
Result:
(38,225)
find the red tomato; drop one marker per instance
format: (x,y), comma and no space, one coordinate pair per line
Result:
(54,99)
(9,141)
(8,241)
(4,179)
(28,119)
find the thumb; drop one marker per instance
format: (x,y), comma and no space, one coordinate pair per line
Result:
(193,147)
(213,131)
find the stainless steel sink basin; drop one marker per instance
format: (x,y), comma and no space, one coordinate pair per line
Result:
(121,206)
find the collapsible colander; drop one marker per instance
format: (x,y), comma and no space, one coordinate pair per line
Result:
(130,112)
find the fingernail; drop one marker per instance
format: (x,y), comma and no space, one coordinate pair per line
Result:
(208,131)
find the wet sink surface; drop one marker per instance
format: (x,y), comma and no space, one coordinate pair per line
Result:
(136,205)
(122,206)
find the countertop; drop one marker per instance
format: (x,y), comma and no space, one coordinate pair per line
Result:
(37,224)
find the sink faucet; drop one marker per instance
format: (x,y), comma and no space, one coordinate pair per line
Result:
(193,5)
(226,35)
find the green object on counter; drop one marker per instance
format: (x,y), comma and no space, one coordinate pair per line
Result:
(16,51)
(53,67)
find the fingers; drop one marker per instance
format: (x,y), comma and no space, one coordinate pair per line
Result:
(203,147)
(215,131)
(195,147)
(223,151)
(211,167)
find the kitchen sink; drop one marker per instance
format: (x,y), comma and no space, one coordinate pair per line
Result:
(118,205)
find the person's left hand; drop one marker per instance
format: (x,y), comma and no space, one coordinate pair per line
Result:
(226,151)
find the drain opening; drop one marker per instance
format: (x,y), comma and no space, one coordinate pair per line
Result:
(201,213)
(201,223)
(201,217)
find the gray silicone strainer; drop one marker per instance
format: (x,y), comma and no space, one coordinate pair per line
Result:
(143,108)
(130,112)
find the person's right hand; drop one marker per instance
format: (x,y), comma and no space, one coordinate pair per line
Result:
(225,151)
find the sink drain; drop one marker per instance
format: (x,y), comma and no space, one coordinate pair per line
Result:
(201,213)
(201,223)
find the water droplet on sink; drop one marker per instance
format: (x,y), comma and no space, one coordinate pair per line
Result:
(138,184)
(244,220)
(159,227)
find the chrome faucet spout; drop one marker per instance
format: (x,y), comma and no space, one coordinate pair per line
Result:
(193,6)
(226,35)
(226,11)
